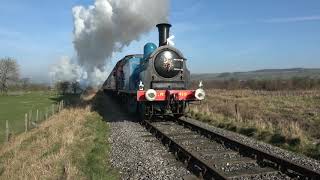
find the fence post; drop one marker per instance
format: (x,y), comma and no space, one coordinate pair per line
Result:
(47,113)
(30,119)
(37,117)
(26,122)
(237,111)
(7,131)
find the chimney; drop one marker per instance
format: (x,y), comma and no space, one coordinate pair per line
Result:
(164,33)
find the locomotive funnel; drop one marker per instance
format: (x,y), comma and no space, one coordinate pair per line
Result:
(164,32)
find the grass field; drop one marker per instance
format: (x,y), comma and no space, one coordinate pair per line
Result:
(288,119)
(14,107)
(72,144)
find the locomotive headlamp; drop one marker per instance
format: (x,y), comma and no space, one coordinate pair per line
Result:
(151,95)
(200,94)
(141,86)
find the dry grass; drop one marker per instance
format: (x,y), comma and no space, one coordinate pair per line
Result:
(288,119)
(70,145)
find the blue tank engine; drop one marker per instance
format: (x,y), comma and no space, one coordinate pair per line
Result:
(154,83)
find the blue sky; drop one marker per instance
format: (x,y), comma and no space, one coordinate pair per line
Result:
(215,35)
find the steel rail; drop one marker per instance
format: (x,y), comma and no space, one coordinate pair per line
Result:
(283,165)
(202,168)
(190,159)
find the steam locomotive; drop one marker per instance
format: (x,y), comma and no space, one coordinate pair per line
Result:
(154,83)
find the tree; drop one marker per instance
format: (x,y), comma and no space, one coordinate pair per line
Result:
(9,73)
(63,87)
(75,86)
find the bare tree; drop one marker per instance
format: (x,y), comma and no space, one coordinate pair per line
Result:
(63,87)
(9,73)
(75,87)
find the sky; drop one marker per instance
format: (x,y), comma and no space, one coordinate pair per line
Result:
(214,35)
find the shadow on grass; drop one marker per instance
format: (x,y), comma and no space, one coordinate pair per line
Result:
(68,99)
(106,105)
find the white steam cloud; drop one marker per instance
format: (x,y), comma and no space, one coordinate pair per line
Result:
(65,70)
(105,28)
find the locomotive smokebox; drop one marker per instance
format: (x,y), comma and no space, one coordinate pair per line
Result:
(164,32)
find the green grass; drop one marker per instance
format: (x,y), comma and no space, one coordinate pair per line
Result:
(91,156)
(95,164)
(14,107)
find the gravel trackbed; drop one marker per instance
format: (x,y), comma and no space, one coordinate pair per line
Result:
(136,153)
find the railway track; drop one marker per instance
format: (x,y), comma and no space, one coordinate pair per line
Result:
(212,156)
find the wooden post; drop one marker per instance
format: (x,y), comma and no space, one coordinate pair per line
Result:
(7,131)
(46,113)
(30,115)
(26,122)
(37,117)
(30,118)
(237,112)
(62,104)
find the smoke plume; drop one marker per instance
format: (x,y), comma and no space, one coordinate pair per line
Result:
(108,26)
(103,29)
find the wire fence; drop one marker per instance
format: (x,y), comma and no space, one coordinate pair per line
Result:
(33,119)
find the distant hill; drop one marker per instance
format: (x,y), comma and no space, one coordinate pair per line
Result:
(261,74)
